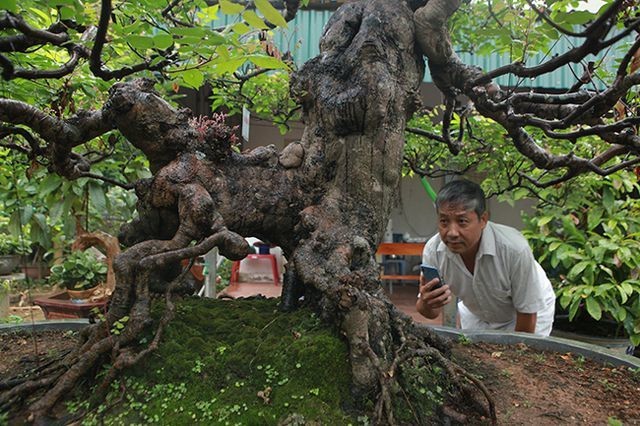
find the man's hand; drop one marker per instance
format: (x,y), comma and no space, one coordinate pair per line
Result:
(431,299)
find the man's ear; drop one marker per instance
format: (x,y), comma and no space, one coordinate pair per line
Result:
(484,218)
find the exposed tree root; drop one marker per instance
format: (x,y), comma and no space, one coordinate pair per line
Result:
(409,347)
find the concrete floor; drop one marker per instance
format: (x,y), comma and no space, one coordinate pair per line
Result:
(403,295)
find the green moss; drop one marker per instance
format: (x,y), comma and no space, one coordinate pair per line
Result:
(238,362)
(425,386)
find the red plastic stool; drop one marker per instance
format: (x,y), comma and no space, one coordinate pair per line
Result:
(235,268)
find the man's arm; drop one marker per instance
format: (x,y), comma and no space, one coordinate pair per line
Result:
(526,322)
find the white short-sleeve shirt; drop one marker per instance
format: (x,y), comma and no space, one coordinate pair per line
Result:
(506,279)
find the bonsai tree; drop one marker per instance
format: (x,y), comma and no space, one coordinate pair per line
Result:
(80,270)
(326,199)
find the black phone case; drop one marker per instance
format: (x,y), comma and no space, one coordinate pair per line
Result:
(430,272)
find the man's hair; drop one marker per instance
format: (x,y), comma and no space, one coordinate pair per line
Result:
(463,193)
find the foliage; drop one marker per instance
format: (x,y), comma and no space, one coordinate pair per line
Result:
(80,270)
(511,27)
(11,319)
(5,287)
(224,273)
(266,96)
(12,245)
(589,242)
(44,207)
(488,153)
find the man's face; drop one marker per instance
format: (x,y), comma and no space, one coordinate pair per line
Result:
(460,229)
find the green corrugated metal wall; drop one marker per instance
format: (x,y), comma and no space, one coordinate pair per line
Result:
(303,37)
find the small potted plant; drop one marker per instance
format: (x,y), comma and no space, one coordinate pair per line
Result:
(35,265)
(80,273)
(5,292)
(11,251)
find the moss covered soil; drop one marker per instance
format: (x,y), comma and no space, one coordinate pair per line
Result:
(235,362)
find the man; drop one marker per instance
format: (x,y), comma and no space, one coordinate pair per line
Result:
(489,267)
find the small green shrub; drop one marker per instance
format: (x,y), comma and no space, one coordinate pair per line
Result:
(12,245)
(588,241)
(81,270)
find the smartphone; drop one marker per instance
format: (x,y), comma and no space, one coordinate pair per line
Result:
(431,272)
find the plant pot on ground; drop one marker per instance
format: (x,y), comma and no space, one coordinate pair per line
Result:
(11,251)
(36,271)
(80,273)
(5,290)
(35,265)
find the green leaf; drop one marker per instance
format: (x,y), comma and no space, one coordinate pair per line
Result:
(240,28)
(571,230)
(270,13)
(554,246)
(193,78)
(594,218)
(10,5)
(67,12)
(626,288)
(45,17)
(573,309)
(162,41)
(578,268)
(229,66)
(55,210)
(97,197)
(254,20)
(594,308)
(544,220)
(608,198)
(49,184)
(186,32)
(140,42)
(267,62)
(230,8)
(210,13)
(565,299)
(39,222)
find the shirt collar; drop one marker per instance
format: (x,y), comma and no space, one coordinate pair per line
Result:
(487,242)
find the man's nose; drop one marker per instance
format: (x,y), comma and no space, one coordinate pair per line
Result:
(453,230)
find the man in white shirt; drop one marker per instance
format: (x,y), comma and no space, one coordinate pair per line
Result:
(489,267)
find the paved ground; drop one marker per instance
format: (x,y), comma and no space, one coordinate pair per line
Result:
(402,295)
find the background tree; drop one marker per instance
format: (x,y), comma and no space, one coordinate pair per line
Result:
(326,199)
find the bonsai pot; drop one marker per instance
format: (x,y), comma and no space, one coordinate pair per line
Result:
(8,262)
(81,296)
(60,306)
